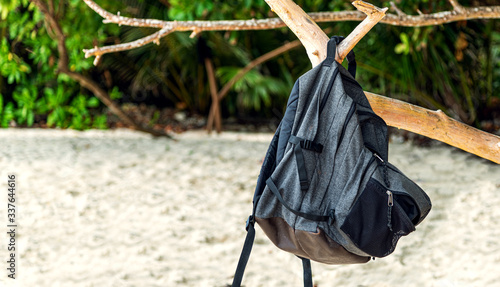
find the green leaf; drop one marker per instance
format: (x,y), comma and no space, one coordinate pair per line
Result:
(93,102)
(30,119)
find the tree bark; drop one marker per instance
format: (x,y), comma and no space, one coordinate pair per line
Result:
(214,115)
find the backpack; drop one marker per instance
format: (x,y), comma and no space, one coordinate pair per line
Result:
(326,191)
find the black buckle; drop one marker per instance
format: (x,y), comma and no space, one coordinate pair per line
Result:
(307,144)
(310,145)
(304,185)
(250,220)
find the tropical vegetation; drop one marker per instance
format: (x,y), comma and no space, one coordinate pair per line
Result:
(453,67)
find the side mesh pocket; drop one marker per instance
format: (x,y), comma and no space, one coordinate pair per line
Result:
(373,225)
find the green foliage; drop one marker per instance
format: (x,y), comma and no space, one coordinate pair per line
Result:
(25,98)
(453,67)
(254,89)
(6,113)
(32,90)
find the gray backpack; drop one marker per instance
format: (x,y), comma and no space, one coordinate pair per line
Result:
(326,191)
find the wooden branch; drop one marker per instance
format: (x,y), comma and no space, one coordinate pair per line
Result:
(436,125)
(397,10)
(465,13)
(313,38)
(309,33)
(155,37)
(215,115)
(60,38)
(457,7)
(405,20)
(374,15)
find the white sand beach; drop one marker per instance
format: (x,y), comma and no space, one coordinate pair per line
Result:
(120,208)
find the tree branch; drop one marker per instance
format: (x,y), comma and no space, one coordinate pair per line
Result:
(436,125)
(456,6)
(374,15)
(54,26)
(214,115)
(458,14)
(397,10)
(155,37)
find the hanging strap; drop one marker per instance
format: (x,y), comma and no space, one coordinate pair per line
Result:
(245,253)
(306,266)
(331,51)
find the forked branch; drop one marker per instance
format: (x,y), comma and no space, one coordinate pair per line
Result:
(435,125)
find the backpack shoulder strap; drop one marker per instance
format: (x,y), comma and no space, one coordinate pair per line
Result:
(331,51)
(245,253)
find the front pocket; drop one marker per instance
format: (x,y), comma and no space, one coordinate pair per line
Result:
(373,225)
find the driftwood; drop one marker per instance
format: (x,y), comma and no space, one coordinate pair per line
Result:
(435,125)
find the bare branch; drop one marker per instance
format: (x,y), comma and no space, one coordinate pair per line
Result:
(155,37)
(112,18)
(406,116)
(436,125)
(312,37)
(214,115)
(374,15)
(301,24)
(398,11)
(458,14)
(456,6)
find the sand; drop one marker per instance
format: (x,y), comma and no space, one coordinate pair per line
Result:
(120,208)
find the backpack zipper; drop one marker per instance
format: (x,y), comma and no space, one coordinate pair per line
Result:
(390,195)
(390,204)
(326,95)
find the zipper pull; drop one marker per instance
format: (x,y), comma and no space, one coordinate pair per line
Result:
(378,157)
(390,203)
(390,199)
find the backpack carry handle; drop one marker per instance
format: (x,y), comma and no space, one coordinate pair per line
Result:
(331,51)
